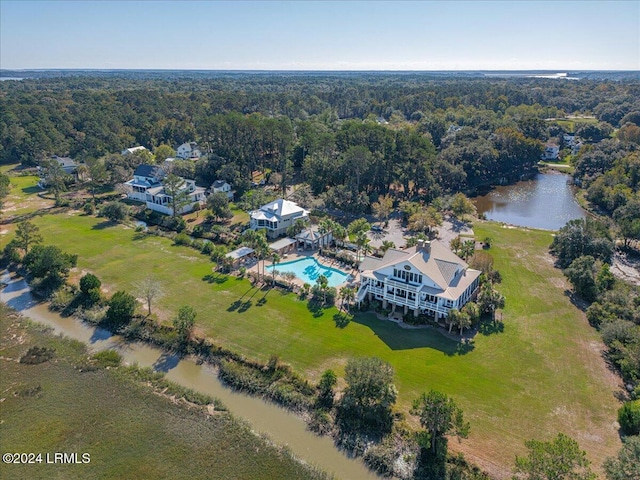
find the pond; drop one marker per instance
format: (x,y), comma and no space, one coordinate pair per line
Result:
(546,202)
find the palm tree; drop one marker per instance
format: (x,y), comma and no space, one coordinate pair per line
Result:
(489,300)
(473,311)
(262,249)
(454,318)
(56,178)
(339,233)
(361,241)
(296,228)
(82,173)
(256,239)
(275,259)
(348,294)
(323,283)
(325,226)
(468,249)
(386,245)
(464,321)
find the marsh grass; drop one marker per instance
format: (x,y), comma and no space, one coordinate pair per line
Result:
(118,416)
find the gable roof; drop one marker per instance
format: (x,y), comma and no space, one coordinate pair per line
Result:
(218,184)
(65,162)
(282,243)
(148,171)
(127,151)
(239,253)
(437,262)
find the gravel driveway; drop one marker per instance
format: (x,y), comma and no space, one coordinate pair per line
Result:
(397,234)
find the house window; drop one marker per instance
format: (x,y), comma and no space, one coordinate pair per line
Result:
(407,276)
(430,298)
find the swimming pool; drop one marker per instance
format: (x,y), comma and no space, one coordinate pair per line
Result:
(308,270)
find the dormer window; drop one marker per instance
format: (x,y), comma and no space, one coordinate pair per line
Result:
(407,276)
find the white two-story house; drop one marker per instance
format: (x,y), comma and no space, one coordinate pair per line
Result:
(276,217)
(146,186)
(144,178)
(220,186)
(159,200)
(426,279)
(188,150)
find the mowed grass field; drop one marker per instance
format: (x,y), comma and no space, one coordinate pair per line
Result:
(570,124)
(541,375)
(129,431)
(22,198)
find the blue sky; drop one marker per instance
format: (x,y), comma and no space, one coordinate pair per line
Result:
(326,35)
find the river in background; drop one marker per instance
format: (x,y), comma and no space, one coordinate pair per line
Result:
(545,202)
(280,425)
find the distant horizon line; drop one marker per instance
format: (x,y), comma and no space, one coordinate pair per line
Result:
(524,70)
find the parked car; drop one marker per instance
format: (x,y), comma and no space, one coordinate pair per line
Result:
(377,229)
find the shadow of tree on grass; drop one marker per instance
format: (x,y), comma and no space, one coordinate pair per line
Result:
(490,327)
(342,319)
(315,308)
(577,302)
(104,224)
(216,278)
(245,306)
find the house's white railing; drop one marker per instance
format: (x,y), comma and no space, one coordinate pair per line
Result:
(405,286)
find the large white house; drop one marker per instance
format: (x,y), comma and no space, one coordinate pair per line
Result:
(146,186)
(144,178)
(188,150)
(426,279)
(159,200)
(277,216)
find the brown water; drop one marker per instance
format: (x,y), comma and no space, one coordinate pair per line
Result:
(545,202)
(281,426)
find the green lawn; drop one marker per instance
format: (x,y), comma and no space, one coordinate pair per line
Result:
(23,196)
(571,124)
(541,375)
(239,215)
(129,431)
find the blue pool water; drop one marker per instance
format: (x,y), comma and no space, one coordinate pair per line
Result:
(308,270)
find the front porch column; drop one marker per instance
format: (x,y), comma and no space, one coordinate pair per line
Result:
(416,312)
(385,304)
(370,296)
(406,309)
(393,308)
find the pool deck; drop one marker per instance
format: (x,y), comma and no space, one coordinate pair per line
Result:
(298,255)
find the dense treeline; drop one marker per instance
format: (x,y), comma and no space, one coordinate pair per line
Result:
(352,137)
